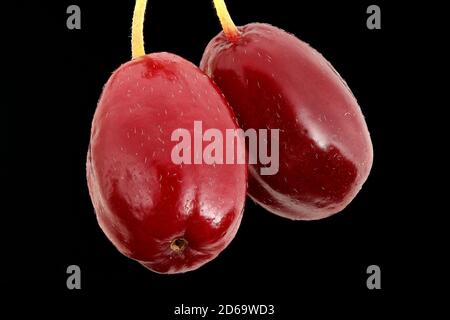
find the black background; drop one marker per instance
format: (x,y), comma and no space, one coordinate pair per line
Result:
(272,260)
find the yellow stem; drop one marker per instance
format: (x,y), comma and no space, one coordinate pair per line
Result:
(137,30)
(228,26)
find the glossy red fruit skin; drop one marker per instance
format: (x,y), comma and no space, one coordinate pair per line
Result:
(143,201)
(274,80)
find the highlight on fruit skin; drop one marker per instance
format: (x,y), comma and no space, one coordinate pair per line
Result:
(274,80)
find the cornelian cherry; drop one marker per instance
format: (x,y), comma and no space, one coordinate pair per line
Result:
(169,217)
(274,80)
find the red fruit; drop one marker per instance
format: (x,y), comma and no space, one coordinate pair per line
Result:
(171,218)
(274,80)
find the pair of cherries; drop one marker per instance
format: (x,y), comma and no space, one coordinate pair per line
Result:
(174,218)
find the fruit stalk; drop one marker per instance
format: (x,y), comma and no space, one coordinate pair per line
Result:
(228,26)
(137,30)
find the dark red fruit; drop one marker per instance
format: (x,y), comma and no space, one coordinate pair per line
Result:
(171,218)
(274,80)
